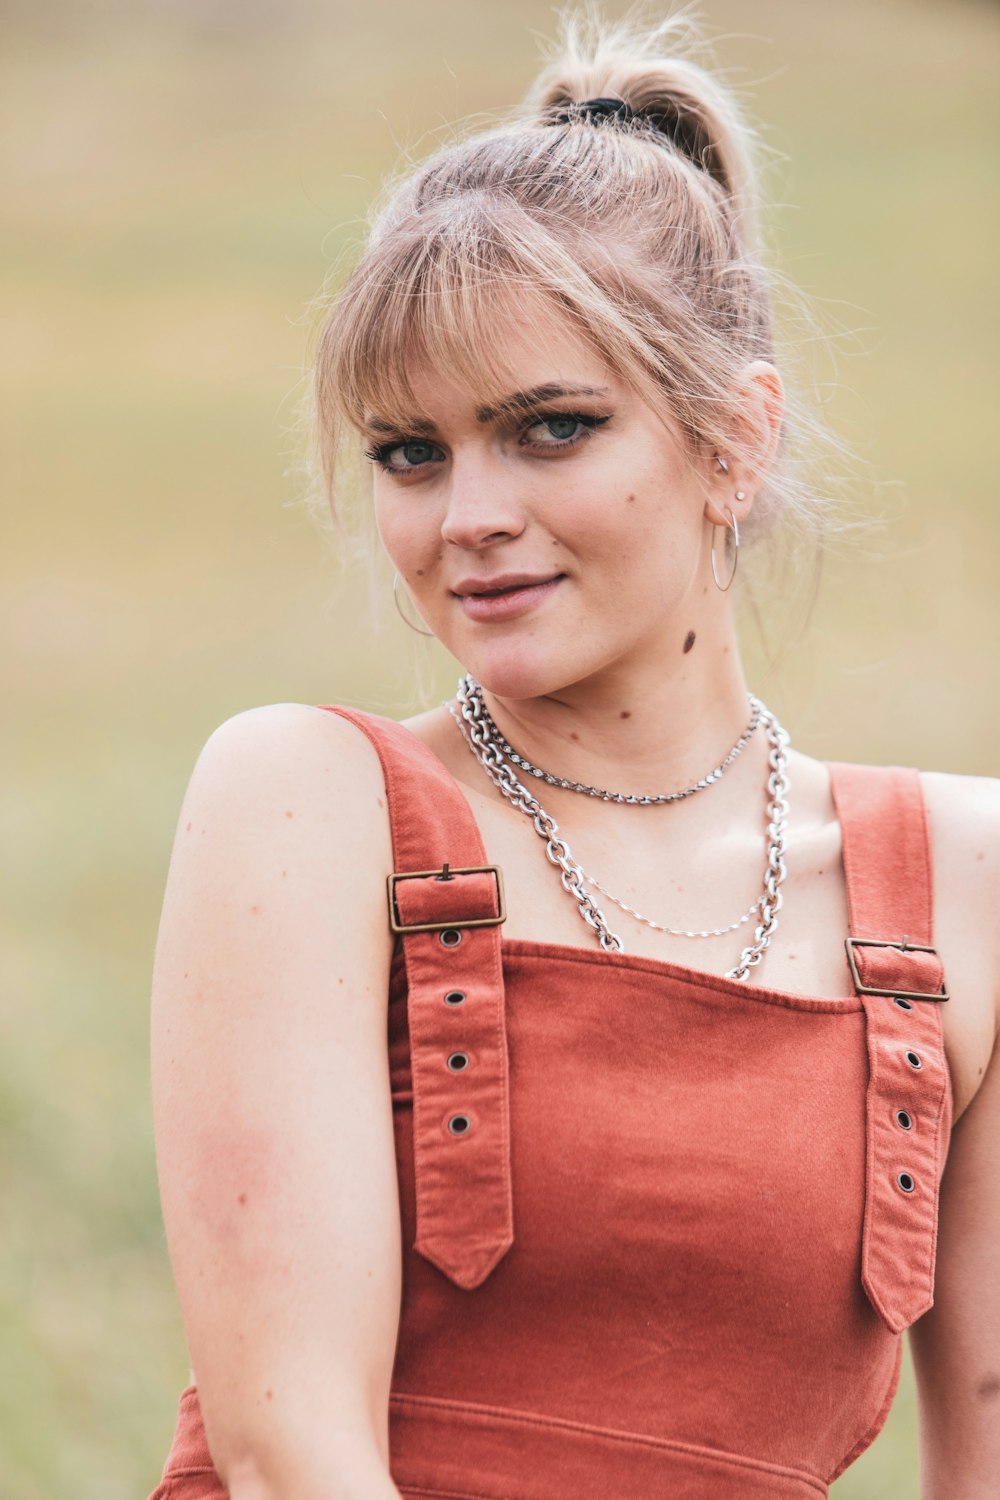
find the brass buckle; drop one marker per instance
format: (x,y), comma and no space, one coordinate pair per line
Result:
(445,873)
(904,947)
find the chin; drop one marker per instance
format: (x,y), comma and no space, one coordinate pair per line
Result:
(524,668)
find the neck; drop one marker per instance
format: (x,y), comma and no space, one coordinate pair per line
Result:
(644,730)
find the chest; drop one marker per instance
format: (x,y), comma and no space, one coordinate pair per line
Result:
(699,889)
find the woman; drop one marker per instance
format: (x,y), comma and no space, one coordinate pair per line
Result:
(632,1205)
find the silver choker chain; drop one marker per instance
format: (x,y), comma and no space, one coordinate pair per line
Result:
(475,694)
(476,725)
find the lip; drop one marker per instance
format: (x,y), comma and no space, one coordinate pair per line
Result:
(521,592)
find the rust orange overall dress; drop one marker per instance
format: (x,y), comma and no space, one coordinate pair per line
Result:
(661,1230)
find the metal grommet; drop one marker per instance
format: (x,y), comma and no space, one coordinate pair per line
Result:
(454,997)
(459,1124)
(457,1061)
(914,1059)
(903,1004)
(451,937)
(906,1182)
(904,1120)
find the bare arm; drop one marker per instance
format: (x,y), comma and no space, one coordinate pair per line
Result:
(956,1345)
(272,1105)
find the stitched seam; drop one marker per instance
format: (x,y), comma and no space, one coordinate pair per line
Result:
(871,1039)
(928,864)
(938,1139)
(821,1005)
(874,1428)
(423,1489)
(833,771)
(609,1434)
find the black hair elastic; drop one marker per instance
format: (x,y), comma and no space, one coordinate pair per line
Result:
(596,112)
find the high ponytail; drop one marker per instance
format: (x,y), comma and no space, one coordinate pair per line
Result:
(666,91)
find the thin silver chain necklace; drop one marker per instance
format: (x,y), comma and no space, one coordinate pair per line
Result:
(574,880)
(475,694)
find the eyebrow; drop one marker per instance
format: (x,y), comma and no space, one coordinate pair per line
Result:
(525,400)
(414,424)
(516,401)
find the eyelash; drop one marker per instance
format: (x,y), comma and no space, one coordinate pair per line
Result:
(380,454)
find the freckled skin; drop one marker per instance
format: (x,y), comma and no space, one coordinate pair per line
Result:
(988,1388)
(689,641)
(626,713)
(289,814)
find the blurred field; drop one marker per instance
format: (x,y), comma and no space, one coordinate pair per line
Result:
(178,176)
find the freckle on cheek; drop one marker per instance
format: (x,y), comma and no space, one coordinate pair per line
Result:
(626,713)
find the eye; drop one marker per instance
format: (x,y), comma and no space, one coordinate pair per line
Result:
(560,429)
(402,458)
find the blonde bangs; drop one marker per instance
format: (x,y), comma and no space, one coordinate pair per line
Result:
(443,295)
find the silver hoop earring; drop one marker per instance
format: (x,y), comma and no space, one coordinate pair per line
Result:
(725,587)
(399,608)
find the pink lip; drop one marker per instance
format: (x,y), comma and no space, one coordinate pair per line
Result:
(520,594)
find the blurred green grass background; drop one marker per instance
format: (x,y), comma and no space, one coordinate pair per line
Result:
(178,176)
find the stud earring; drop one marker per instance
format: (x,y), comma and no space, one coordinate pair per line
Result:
(724,466)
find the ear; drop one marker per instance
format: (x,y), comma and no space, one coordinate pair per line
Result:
(760,398)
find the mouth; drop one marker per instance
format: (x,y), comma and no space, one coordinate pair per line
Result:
(500,587)
(493,600)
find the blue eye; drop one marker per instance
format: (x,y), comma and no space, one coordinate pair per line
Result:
(560,427)
(563,429)
(416,453)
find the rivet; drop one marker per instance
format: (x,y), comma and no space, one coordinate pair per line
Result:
(459,1124)
(451,937)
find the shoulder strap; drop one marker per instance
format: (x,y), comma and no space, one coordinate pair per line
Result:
(446,905)
(900,980)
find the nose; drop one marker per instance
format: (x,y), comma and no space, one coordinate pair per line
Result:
(483,509)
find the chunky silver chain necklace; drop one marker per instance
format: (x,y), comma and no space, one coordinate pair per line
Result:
(475,694)
(490,755)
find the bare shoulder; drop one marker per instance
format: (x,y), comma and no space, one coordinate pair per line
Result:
(963,814)
(972,802)
(284,820)
(284,745)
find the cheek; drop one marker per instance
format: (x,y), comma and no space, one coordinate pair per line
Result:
(400,529)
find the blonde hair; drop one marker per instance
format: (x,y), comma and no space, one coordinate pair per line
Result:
(643,234)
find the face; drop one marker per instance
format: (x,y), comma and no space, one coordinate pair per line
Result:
(552,537)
